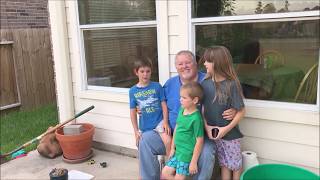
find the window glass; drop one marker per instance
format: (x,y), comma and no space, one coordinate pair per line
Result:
(110,54)
(274,60)
(115,11)
(211,8)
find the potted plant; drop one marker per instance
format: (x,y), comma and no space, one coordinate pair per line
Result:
(59,174)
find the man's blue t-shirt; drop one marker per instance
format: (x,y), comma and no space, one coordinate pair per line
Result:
(172,94)
(148,99)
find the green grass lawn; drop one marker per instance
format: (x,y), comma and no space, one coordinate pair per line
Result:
(18,128)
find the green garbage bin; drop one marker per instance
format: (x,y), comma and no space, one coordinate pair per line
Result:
(277,172)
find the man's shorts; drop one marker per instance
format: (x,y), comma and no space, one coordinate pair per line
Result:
(181,167)
(159,127)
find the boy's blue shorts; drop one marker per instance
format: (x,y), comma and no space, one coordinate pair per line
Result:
(181,167)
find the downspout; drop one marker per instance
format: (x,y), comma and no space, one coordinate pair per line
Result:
(62,68)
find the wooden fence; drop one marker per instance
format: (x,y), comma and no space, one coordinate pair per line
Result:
(27,75)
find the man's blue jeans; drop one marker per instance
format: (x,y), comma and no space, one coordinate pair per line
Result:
(206,160)
(151,145)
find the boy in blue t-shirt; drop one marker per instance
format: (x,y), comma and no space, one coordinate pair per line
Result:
(149,97)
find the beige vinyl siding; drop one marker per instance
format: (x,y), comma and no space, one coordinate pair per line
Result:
(284,114)
(178,26)
(115,138)
(284,152)
(106,108)
(281,131)
(110,123)
(291,143)
(111,119)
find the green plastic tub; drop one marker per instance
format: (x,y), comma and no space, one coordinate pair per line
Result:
(277,172)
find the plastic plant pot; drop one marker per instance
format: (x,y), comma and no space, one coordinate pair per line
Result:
(276,172)
(58,174)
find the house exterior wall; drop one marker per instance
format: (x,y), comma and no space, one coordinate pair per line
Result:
(17,14)
(276,134)
(25,37)
(60,46)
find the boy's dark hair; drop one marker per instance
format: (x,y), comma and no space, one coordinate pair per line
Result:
(141,62)
(194,90)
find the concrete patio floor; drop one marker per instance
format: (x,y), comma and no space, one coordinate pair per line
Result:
(34,166)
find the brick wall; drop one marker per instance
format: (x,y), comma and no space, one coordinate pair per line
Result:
(17,14)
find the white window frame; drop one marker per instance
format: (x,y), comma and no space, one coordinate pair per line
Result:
(274,17)
(162,39)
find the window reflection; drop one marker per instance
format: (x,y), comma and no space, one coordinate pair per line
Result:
(110,54)
(211,8)
(114,11)
(271,58)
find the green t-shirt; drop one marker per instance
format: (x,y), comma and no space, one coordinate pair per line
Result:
(189,128)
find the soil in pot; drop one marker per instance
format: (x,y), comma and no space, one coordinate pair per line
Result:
(58,174)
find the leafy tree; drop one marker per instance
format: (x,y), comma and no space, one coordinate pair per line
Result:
(269,8)
(259,8)
(286,6)
(228,7)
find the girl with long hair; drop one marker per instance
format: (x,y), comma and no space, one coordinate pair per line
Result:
(222,90)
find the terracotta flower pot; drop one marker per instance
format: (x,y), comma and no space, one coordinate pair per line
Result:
(76,146)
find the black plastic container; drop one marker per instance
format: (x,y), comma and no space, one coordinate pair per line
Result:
(59,174)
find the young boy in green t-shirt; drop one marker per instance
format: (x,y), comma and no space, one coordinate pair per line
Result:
(188,135)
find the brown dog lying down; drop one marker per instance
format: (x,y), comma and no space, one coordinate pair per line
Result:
(49,146)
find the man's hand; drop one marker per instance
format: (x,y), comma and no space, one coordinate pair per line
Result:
(166,128)
(229,114)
